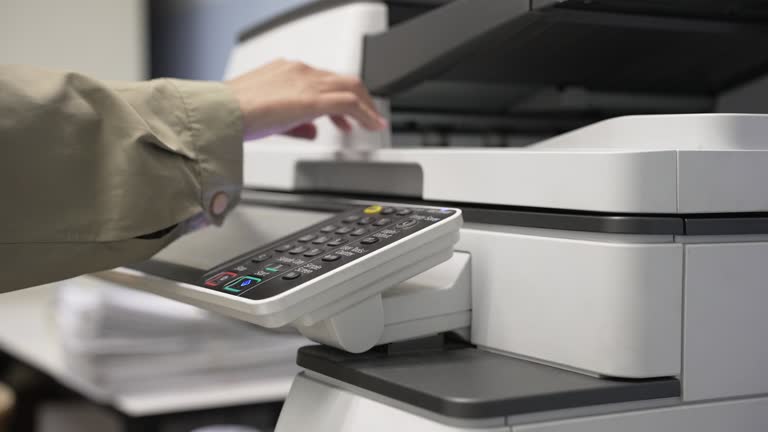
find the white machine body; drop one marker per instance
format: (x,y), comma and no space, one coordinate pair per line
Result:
(632,306)
(604,304)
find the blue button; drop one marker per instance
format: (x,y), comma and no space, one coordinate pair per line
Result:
(244,282)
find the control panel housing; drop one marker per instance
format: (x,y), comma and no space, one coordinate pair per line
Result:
(317,272)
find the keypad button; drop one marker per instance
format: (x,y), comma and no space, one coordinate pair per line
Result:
(387,210)
(382,222)
(242,284)
(374,209)
(406,224)
(321,240)
(261,258)
(284,248)
(307,238)
(337,242)
(297,250)
(331,258)
(345,230)
(276,267)
(366,220)
(328,229)
(350,219)
(369,240)
(313,252)
(291,275)
(404,212)
(358,232)
(220,278)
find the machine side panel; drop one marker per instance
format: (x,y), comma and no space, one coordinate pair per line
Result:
(733,416)
(320,407)
(724,181)
(725,342)
(607,308)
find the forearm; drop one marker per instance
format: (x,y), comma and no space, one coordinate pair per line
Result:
(88,167)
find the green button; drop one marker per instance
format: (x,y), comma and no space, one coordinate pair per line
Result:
(230,289)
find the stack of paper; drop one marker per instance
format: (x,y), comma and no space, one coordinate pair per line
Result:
(127,340)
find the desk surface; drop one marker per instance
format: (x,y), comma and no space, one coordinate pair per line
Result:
(28,332)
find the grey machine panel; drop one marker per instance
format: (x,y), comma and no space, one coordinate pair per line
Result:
(463,382)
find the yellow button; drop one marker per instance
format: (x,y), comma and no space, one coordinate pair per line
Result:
(372,209)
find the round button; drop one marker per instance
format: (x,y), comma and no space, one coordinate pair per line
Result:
(345,230)
(404,212)
(285,247)
(297,250)
(369,240)
(374,209)
(408,223)
(261,258)
(291,275)
(219,203)
(331,257)
(366,220)
(306,238)
(387,210)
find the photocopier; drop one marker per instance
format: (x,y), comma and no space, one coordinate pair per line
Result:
(562,230)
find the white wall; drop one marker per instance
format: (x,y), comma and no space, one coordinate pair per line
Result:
(103,38)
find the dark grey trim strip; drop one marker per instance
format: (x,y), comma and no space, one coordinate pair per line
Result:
(738,224)
(469,383)
(611,224)
(527,217)
(493,215)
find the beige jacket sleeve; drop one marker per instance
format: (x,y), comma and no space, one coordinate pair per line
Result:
(96,175)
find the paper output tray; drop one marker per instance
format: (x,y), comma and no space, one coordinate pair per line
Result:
(464,382)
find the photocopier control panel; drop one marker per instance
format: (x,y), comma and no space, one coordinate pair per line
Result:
(315,251)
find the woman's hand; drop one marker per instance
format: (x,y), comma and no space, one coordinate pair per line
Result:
(286,96)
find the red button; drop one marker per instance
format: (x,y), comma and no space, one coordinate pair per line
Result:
(220,279)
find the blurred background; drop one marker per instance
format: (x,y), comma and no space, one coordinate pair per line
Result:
(77,357)
(129,39)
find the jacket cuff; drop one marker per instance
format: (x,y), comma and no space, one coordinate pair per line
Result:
(215,135)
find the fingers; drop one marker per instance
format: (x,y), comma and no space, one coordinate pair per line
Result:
(350,105)
(339,83)
(305,131)
(341,122)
